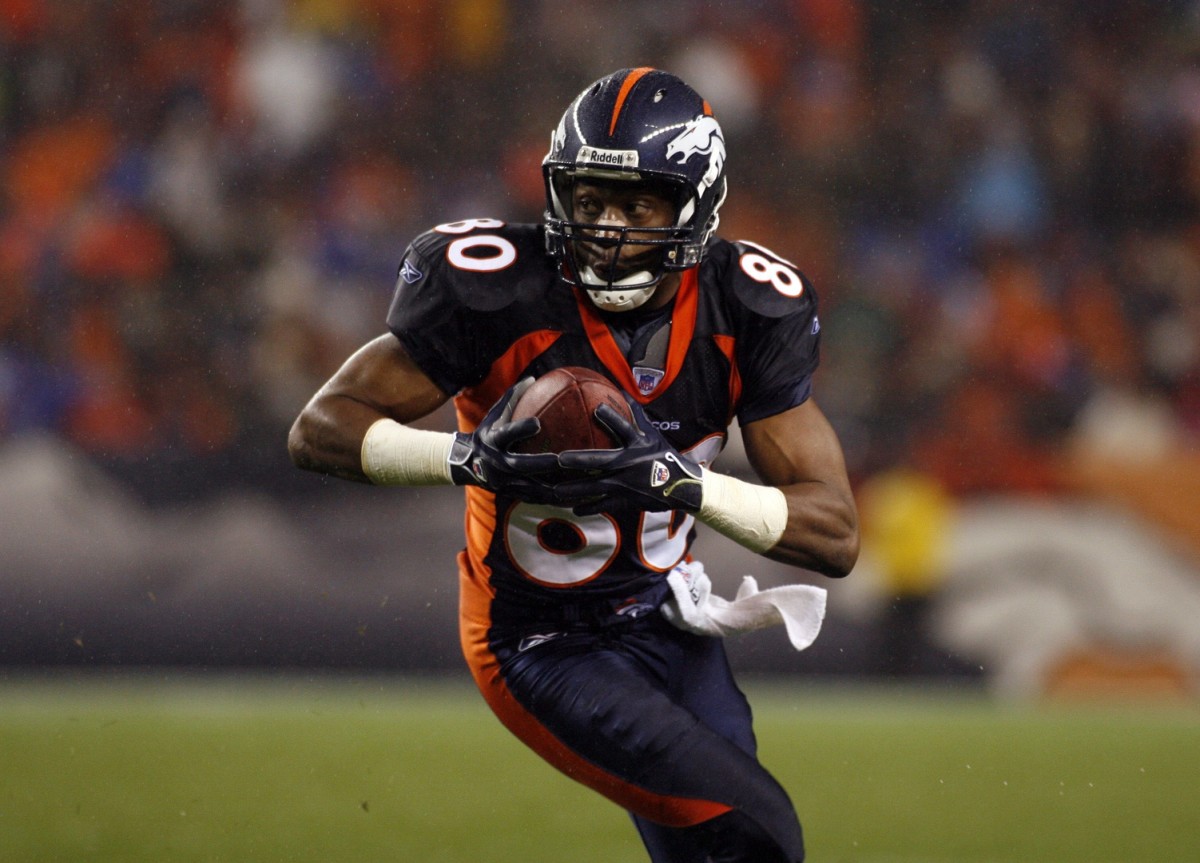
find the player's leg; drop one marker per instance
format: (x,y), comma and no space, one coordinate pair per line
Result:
(609,711)
(702,681)
(730,838)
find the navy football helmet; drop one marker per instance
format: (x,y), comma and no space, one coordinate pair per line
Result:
(640,126)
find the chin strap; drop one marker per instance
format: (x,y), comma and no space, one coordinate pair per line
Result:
(620,301)
(616,298)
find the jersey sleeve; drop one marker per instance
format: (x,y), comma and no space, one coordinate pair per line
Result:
(425,321)
(779,343)
(438,329)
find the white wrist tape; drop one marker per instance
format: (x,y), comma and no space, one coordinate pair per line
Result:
(394,454)
(752,515)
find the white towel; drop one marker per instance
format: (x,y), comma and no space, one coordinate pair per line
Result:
(693,607)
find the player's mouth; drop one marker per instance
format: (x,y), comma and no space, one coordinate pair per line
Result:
(612,262)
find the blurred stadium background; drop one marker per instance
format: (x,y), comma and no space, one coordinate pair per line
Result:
(202,208)
(203,205)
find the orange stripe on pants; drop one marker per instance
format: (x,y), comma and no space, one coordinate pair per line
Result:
(475,600)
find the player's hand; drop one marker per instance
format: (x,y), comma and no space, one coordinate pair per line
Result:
(645,473)
(483,457)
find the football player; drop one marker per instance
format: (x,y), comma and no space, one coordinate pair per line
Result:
(575,622)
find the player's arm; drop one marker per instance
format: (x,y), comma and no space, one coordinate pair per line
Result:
(378,382)
(356,427)
(804,514)
(797,454)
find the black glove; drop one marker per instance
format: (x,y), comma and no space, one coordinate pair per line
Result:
(646,473)
(482,457)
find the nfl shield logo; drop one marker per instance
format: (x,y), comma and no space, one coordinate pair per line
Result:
(659,474)
(647,379)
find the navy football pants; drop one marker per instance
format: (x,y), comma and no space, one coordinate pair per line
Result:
(651,716)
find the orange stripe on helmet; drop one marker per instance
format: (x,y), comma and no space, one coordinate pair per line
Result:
(707,109)
(632,78)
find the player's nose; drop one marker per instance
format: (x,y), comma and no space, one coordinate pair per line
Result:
(613,219)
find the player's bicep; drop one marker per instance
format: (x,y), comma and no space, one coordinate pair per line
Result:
(383,378)
(796,446)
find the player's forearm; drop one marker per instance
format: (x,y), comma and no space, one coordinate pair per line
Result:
(340,436)
(798,452)
(822,530)
(807,525)
(327,436)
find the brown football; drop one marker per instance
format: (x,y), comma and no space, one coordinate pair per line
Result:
(564,401)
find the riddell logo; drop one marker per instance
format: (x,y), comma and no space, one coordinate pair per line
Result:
(616,158)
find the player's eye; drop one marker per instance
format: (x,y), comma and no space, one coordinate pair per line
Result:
(641,210)
(587,205)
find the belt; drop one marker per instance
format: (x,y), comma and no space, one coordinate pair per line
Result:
(588,613)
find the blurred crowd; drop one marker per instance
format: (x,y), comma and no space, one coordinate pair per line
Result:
(203,204)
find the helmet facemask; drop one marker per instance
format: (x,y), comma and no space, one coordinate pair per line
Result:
(594,256)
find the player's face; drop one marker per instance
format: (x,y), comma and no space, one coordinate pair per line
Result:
(612,207)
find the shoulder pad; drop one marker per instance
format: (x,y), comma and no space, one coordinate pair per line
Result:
(764,282)
(484,264)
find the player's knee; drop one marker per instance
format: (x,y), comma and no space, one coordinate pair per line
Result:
(735,837)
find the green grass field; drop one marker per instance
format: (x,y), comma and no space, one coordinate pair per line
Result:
(379,769)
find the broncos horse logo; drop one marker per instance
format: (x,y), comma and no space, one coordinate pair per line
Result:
(701,136)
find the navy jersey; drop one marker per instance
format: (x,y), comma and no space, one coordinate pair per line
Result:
(479,305)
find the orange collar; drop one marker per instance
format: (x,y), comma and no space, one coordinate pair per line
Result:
(683,325)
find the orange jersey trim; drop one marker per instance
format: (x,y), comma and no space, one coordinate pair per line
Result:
(479,526)
(474,402)
(726,344)
(632,78)
(471,405)
(475,595)
(683,325)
